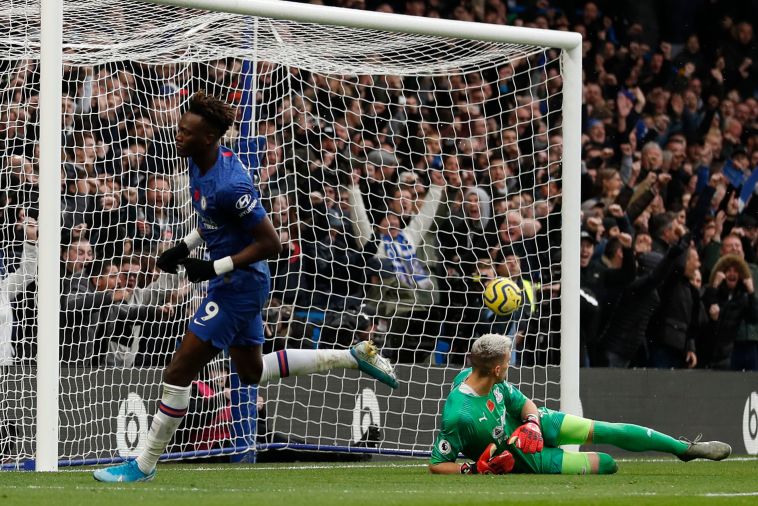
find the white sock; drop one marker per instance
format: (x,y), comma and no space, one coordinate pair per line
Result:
(171,410)
(285,363)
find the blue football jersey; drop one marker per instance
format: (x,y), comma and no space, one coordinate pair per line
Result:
(228,206)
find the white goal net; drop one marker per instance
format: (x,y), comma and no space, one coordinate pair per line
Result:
(401,171)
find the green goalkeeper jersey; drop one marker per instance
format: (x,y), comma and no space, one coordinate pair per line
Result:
(470,421)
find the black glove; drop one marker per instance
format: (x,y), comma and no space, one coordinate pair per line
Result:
(169,259)
(198,270)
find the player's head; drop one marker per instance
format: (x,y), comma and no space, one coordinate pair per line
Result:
(491,354)
(201,127)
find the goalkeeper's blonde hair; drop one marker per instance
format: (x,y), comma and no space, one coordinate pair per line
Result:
(490,348)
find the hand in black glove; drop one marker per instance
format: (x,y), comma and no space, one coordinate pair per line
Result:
(169,259)
(198,270)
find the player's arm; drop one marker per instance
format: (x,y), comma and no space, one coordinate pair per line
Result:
(490,462)
(265,245)
(445,468)
(529,409)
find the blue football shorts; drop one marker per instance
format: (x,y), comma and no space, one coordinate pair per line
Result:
(230,315)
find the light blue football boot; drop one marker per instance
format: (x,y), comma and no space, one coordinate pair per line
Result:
(372,363)
(123,473)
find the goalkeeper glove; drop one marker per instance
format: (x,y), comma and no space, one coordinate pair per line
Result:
(489,463)
(528,437)
(170,259)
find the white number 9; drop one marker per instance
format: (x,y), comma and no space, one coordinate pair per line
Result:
(211,310)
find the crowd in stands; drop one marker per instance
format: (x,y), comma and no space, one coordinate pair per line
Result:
(397,199)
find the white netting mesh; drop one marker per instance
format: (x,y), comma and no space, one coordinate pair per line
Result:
(401,172)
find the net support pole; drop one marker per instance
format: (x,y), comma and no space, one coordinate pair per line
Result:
(48,291)
(252,147)
(571,64)
(250,150)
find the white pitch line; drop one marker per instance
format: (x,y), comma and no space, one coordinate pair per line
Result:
(140,487)
(305,467)
(269,468)
(729,494)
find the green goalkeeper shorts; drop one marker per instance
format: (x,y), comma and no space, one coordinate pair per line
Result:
(550,459)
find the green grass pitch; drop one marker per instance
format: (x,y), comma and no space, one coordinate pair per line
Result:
(402,482)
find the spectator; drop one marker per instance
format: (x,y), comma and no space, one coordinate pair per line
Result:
(676,324)
(407,285)
(336,265)
(462,236)
(158,220)
(602,281)
(663,231)
(623,339)
(123,321)
(381,173)
(12,285)
(85,292)
(163,293)
(730,301)
(107,222)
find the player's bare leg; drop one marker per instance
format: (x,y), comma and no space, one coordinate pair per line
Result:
(256,369)
(248,363)
(189,360)
(184,367)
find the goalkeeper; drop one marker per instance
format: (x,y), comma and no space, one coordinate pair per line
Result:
(493,424)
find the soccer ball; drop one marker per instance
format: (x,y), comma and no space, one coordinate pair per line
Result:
(502,296)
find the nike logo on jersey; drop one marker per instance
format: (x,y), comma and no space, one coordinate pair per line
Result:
(483,418)
(198,323)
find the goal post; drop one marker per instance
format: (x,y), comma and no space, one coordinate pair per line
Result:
(48,295)
(324,78)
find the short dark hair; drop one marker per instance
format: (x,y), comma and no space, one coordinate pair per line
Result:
(217,113)
(100,267)
(660,222)
(612,247)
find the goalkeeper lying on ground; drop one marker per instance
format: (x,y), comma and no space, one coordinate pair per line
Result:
(493,423)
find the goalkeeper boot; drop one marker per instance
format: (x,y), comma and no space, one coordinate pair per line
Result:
(123,473)
(711,450)
(372,363)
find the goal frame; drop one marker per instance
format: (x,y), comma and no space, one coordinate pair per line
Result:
(51,73)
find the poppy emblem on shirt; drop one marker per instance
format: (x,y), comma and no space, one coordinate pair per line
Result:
(490,405)
(196,195)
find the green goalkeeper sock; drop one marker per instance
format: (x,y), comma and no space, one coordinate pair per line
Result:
(636,438)
(579,463)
